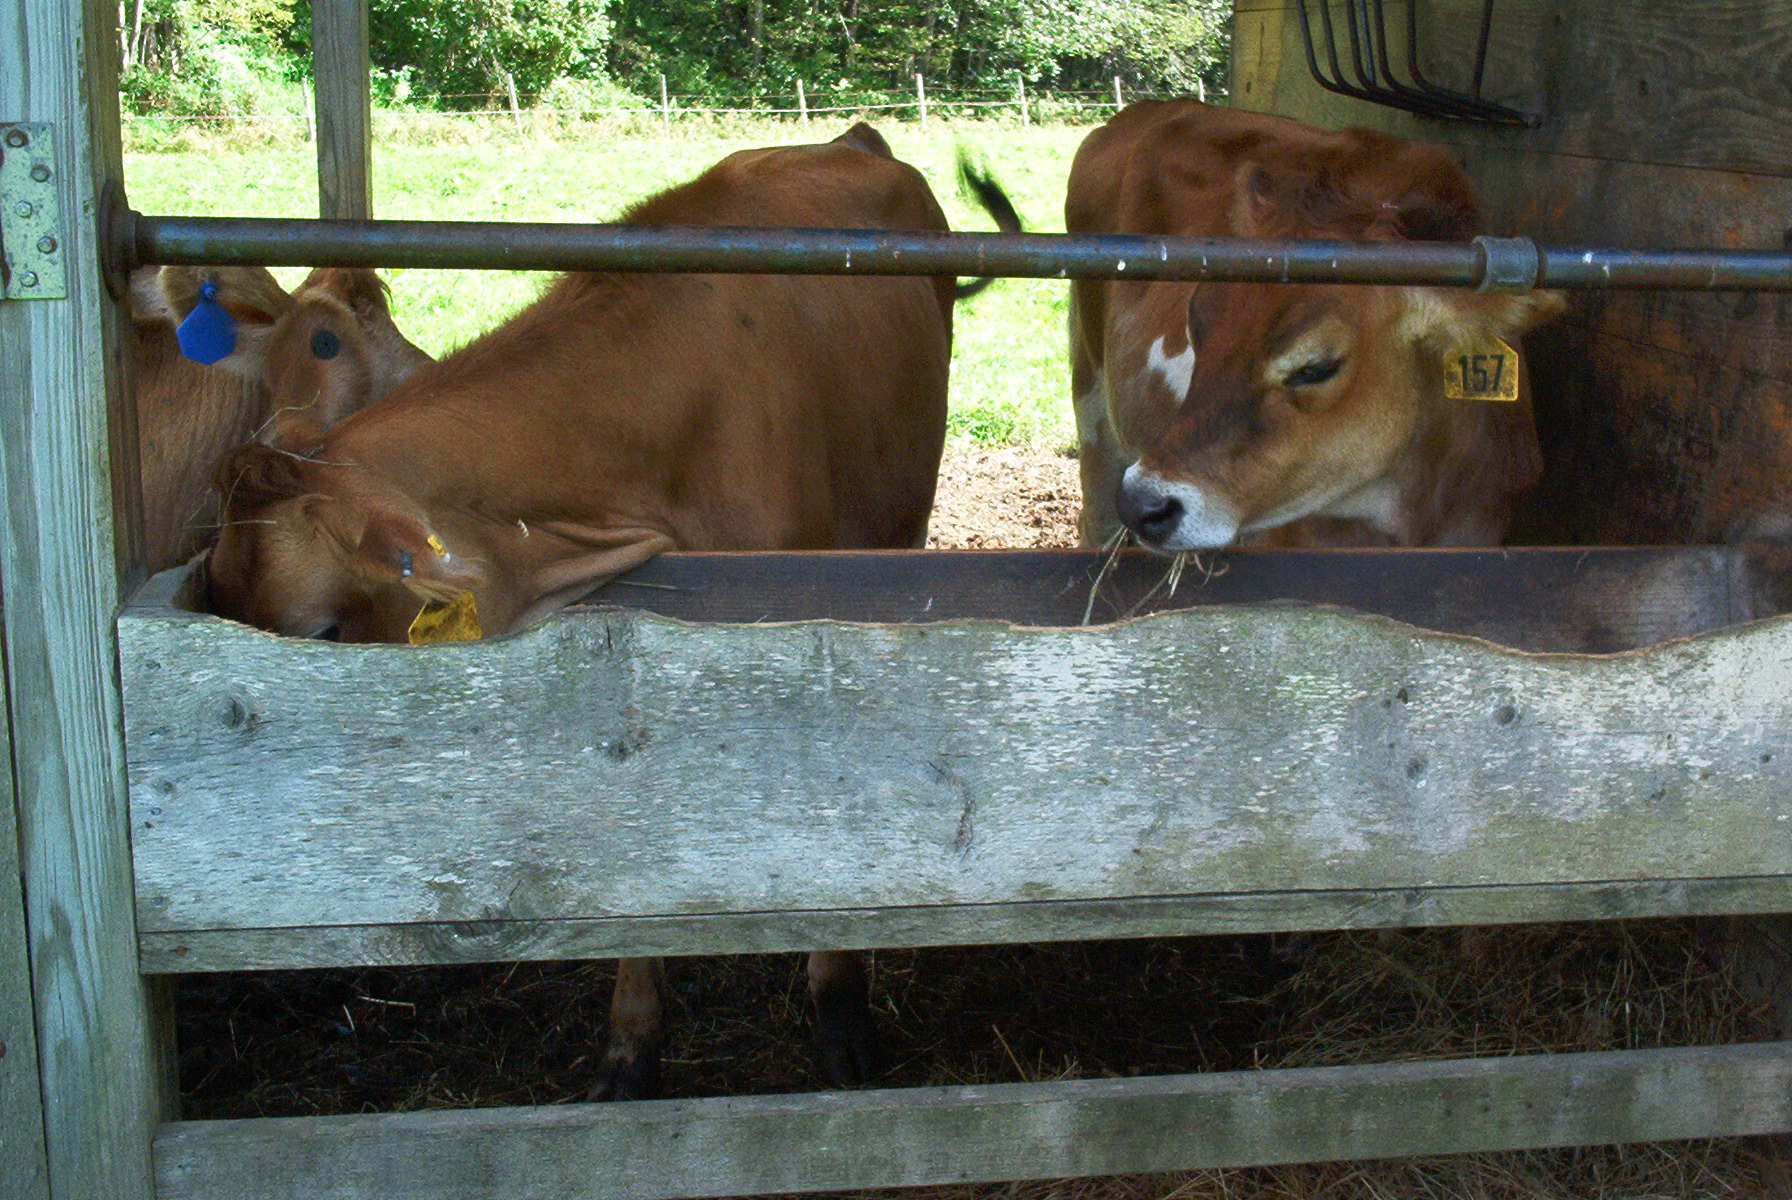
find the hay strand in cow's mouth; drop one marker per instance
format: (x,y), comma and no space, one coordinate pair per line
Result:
(1111,555)
(1171,579)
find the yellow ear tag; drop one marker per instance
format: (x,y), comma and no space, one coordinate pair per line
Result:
(1485,370)
(455,620)
(435,543)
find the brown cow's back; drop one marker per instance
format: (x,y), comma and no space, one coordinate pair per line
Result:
(1170,167)
(718,411)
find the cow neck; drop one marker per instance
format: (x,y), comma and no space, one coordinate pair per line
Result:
(530,418)
(1470,462)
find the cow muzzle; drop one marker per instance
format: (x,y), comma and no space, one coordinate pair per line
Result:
(1170,517)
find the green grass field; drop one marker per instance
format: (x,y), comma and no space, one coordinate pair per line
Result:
(1010,375)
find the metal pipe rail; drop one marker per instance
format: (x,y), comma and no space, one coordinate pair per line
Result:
(135,240)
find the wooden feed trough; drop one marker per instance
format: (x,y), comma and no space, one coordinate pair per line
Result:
(862,750)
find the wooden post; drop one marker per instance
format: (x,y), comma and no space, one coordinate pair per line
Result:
(1118,102)
(305,108)
(1020,88)
(344,109)
(1200,90)
(802,102)
(24,1173)
(516,112)
(69,548)
(921,98)
(665,106)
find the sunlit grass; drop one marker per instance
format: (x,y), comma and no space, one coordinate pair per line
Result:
(1010,373)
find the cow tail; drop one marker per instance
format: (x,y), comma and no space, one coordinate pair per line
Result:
(995,202)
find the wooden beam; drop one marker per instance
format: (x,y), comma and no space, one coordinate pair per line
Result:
(510,940)
(65,454)
(24,1171)
(610,764)
(1578,600)
(339,57)
(762,1145)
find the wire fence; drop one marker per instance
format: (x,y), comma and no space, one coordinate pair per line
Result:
(1019,104)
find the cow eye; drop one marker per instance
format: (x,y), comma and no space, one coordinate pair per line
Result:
(325,344)
(1317,371)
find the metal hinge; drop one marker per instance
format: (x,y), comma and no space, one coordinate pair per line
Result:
(31,230)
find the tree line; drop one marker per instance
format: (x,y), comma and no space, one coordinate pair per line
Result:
(222,56)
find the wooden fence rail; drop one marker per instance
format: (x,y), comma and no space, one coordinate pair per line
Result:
(728,787)
(761,1145)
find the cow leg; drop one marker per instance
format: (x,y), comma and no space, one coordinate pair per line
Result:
(630,1067)
(846,1037)
(1098,455)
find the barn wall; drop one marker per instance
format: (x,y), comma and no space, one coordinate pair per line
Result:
(1667,416)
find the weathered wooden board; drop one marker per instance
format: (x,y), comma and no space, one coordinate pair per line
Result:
(64,440)
(620,765)
(508,940)
(344,109)
(1674,445)
(1664,416)
(24,1172)
(1691,83)
(778,1144)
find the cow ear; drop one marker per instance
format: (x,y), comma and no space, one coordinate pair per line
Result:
(1428,217)
(395,548)
(295,432)
(1195,325)
(148,301)
(357,287)
(254,476)
(1450,317)
(1253,199)
(251,296)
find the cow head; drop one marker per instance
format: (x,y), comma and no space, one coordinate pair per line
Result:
(327,350)
(1256,405)
(325,550)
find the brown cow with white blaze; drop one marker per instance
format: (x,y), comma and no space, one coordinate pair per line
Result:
(1211,413)
(302,361)
(620,416)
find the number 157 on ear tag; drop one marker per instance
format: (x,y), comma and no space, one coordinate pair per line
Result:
(1481,371)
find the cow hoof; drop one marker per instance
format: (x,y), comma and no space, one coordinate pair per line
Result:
(847,1040)
(627,1073)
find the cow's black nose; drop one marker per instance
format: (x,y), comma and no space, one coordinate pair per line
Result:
(1148,513)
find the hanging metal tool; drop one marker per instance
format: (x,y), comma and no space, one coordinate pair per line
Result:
(1371,66)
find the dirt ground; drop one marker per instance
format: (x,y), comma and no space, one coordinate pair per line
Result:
(1004,497)
(393,1039)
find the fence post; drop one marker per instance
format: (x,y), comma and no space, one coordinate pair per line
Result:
(77,1116)
(665,106)
(802,102)
(921,98)
(1020,88)
(344,109)
(305,108)
(1200,90)
(1118,102)
(516,112)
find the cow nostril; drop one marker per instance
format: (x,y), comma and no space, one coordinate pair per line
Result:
(1151,515)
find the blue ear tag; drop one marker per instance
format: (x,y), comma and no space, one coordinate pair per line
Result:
(209,333)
